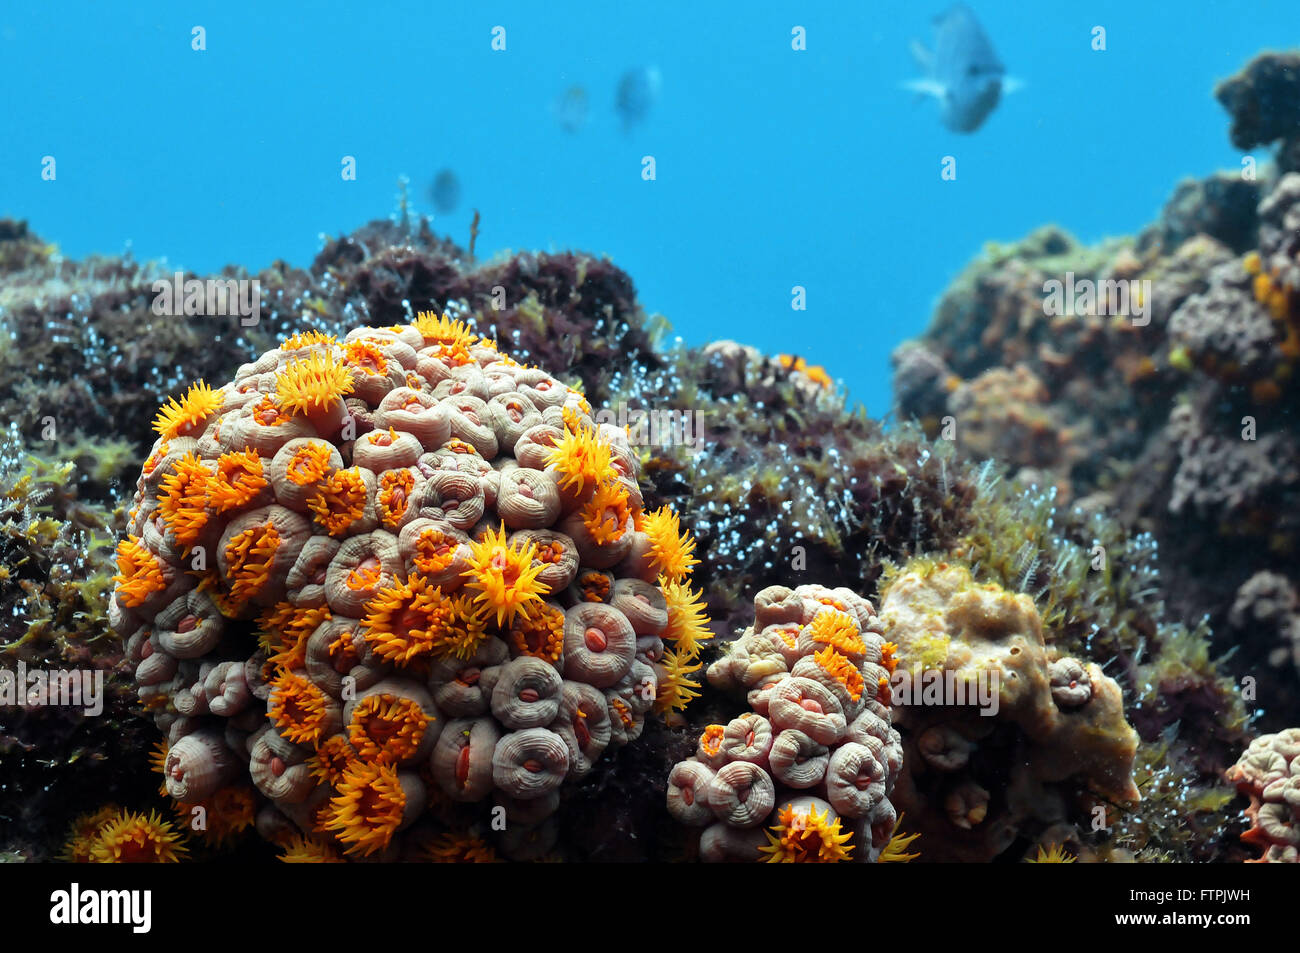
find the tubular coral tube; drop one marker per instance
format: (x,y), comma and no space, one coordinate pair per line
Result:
(197,765)
(599,644)
(741,794)
(527,694)
(530,763)
(462,758)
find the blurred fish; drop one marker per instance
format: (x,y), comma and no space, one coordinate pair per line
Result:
(963,72)
(445,192)
(571,109)
(637,92)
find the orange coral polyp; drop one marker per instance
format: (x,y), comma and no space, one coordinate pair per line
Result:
(838,629)
(312,384)
(387,728)
(137,839)
(311,338)
(672,551)
(434,551)
(309,463)
(605,515)
(395,488)
(340,502)
(807,838)
(504,577)
(268,413)
(407,620)
(465,631)
(183,500)
(139,572)
(539,632)
(183,419)
(251,555)
(368,809)
(298,708)
(238,480)
(888,658)
(332,757)
(595,587)
(366,357)
(841,669)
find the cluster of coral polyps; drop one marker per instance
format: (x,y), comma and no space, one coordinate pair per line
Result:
(395,570)
(806,775)
(1004,737)
(1268,772)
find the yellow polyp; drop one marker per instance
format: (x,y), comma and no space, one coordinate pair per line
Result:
(311,338)
(394,496)
(841,669)
(313,383)
(688,622)
(807,837)
(672,551)
(895,851)
(137,838)
(183,419)
(538,631)
(581,460)
(460,849)
(676,691)
(605,514)
(503,577)
(309,463)
(1055,855)
(407,620)
(366,357)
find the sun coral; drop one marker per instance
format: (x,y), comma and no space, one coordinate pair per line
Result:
(183,419)
(137,838)
(813,727)
(672,552)
(807,836)
(504,577)
(424,593)
(312,384)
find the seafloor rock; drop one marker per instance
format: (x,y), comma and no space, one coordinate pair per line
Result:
(1000,729)
(1180,424)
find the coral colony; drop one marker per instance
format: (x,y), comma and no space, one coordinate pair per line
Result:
(451,562)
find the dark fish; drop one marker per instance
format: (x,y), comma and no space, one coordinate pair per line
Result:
(445,192)
(571,109)
(963,72)
(637,92)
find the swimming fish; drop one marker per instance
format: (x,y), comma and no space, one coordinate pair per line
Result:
(963,72)
(637,91)
(571,109)
(445,192)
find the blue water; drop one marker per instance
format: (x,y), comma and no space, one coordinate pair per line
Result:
(775,168)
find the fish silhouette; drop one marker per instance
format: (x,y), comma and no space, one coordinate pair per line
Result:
(962,72)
